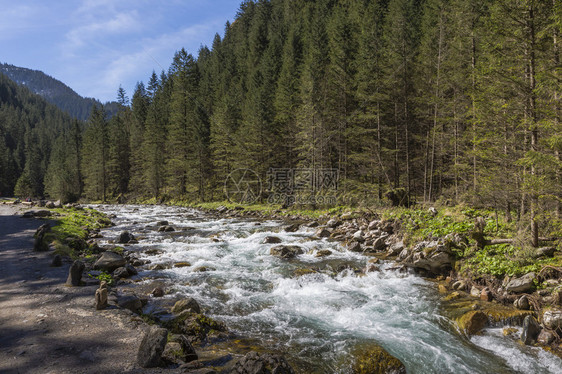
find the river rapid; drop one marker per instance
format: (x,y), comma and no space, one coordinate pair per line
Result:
(316,320)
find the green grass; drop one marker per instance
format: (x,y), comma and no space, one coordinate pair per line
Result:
(75,222)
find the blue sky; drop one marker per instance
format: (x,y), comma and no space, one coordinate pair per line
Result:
(94,46)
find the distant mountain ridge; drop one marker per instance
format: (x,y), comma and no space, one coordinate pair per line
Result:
(55,91)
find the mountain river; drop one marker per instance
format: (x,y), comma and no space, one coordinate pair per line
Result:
(316,320)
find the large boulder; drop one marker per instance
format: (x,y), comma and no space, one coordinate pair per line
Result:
(376,360)
(130,302)
(522,284)
(531,330)
(110,261)
(261,363)
(179,349)
(552,319)
(151,347)
(286,251)
(472,322)
(125,237)
(189,304)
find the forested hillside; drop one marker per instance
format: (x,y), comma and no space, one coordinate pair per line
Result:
(453,100)
(28,129)
(55,92)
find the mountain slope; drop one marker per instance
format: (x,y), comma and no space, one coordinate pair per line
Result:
(54,91)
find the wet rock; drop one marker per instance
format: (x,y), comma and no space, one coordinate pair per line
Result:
(28,214)
(166,229)
(151,347)
(125,237)
(50,205)
(472,322)
(552,319)
(292,228)
(522,303)
(130,302)
(376,360)
(523,284)
(109,261)
(57,261)
(355,247)
(157,292)
(430,256)
(75,274)
(120,272)
(101,296)
(323,253)
(323,233)
(162,223)
(188,304)
(271,240)
(39,244)
(159,267)
(531,330)
(261,363)
(131,269)
(182,264)
(286,251)
(42,213)
(313,224)
(545,337)
(203,269)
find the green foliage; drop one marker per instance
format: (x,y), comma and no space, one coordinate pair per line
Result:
(104,276)
(75,222)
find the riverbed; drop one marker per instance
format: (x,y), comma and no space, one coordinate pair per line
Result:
(317,311)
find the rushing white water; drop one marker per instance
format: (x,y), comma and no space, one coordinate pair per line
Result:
(316,319)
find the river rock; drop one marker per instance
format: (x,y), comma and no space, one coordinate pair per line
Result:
(120,272)
(125,237)
(455,240)
(50,205)
(472,322)
(324,253)
(358,236)
(75,274)
(545,337)
(261,363)
(286,251)
(101,296)
(379,244)
(475,291)
(109,261)
(552,319)
(292,228)
(157,292)
(182,264)
(42,213)
(522,284)
(459,285)
(130,302)
(166,228)
(333,223)
(522,303)
(531,330)
(179,348)
(396,248)
(57,261)
(430,256)
(162,223)
(313,224)
(323,233)
(39,243)
(271,240)
(355,247)
(373,225)
(376,360)
(151,347)
(131,269)
(189,304)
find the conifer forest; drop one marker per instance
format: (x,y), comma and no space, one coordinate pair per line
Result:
(417,100)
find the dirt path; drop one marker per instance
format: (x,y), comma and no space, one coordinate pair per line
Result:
(46,327)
